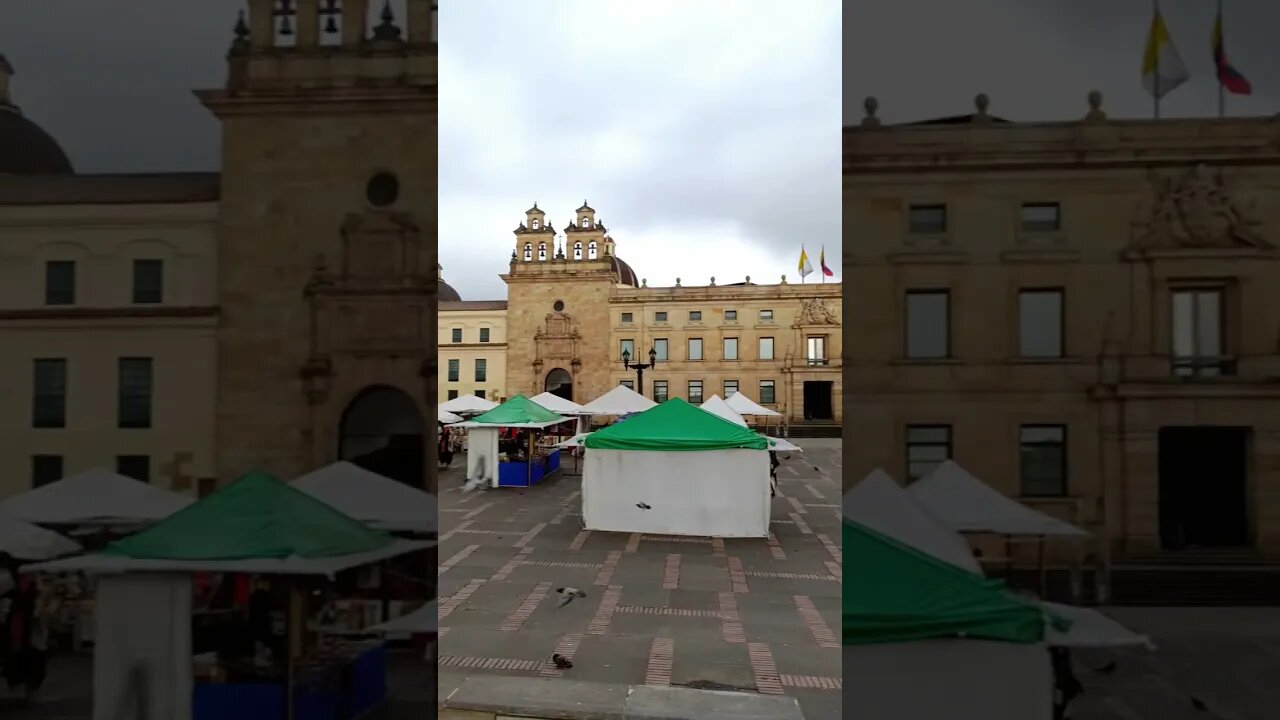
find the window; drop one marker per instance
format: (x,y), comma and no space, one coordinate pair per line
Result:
(542,252)
(767,396)
(628,347)
(479,393)
(586,222)
(695,348)
(135,392)
(45,469)
(766,316)
(731,348)
(534,225)
(928,446)
(660,391)
(484,335)
(628,384)
(1042,460)
(731,316)
(1041,217)
(60,282)
(454,364)
(927,219)
(766,348)
(695,392)
(628,317)
(660,348)
(137,467)
(456,335)
(730,387)
(695,316)
(49,384)
(148,281)
(929,324)
(816,347)
(1040,323)
(452,394)
(1198,347)
(577,251)
(528,252)
(482,370)
(660,316)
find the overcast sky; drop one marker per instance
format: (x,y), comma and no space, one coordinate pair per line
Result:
(705,134)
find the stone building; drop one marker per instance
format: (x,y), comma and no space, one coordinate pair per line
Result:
(472,337)
(574,307)
(279,314)
(1084,314)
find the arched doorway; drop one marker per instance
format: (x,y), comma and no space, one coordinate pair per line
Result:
(560,382)
(382,431)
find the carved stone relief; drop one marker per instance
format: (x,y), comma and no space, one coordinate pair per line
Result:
(814,311)
(1194,210)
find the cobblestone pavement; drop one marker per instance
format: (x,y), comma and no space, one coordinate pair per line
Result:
(755,615)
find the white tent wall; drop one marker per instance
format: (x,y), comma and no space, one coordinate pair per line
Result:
(720,493)
(952,679)
(482,449)
(144,621)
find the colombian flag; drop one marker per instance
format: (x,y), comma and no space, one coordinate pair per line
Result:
(1228,76)
(822,262)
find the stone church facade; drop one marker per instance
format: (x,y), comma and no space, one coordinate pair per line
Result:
(1084,314)
(278,315)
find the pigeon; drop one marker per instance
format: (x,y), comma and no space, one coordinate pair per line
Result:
(1107,669)
(643,506)
(567,594)
(561,661)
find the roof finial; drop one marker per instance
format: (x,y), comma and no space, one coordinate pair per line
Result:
(387,31)
(1095,113)
(871,105)
(981,102)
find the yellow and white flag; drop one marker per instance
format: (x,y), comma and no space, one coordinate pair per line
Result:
(1162,66)
(805,266)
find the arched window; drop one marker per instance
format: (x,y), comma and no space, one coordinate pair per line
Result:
(542,252)
(528,252)
(591,250)
(586,222)
(534,225)
(577,251)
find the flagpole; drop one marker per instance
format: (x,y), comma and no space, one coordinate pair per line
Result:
(1222,98)
(1155,80)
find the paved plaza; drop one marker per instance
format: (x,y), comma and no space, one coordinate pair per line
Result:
(756,616)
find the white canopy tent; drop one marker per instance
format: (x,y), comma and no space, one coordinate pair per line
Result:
(966,504)
(467,405)
(424,620)
(373,499)
(562,406)
(746,406)
(621,400)
(718,407)
(25,541)
(783,445)
(446,417)
(95,497)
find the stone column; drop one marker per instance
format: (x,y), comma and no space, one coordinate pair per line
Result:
(420,19)
(308,23)
(262,27)
(355,22)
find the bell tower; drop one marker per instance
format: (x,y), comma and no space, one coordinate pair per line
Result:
(327,230)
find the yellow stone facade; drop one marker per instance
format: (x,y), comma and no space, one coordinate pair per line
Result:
(471,331)
(1161,245)
(298,282)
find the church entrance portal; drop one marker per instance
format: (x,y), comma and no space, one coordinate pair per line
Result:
(1202,487)
(560,382)
(817,400)
(382,431)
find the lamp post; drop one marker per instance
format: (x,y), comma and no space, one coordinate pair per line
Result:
(639,367)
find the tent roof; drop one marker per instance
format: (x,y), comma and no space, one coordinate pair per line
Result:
(255,517)
(557,404)
(718,407)
(675,425)
(376,500)
(900,594)
(25,541)
(880,503)
(783,445)
(621,400)
(425,619)
(746,406)
(966,504)
(446,417)
(95,497)
(518,411)
(467,404)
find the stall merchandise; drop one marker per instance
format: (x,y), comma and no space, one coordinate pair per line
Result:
(257,526)
(677,470)
(97,498)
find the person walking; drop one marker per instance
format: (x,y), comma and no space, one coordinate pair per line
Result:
(445,448)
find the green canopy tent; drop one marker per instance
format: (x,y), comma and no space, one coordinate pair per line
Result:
(482,452)
(677,470)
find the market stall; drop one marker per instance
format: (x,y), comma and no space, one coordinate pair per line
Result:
(567,408)
(508,438)
(618,402)
(444,417)
(266,665)
(677,470)
(95,498)
(467,405)
(745,406)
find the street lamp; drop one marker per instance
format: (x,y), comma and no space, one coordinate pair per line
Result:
(639,367)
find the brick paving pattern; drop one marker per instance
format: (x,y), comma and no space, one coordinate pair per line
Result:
(753,615)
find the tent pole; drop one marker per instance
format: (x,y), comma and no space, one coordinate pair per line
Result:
(1043,578)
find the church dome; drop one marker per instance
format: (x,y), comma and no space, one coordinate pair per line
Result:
(626,275)
(445,291)
(25,147)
